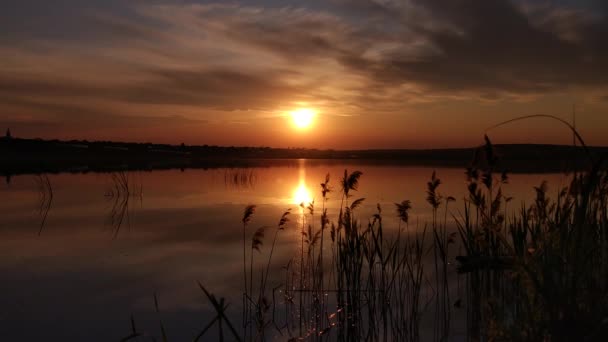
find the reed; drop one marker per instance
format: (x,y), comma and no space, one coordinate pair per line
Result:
(247,215)
(536,273)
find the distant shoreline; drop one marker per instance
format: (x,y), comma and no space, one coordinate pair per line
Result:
(32,156)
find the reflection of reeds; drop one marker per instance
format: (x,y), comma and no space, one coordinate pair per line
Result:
(45,199)
(120,194)
(220,309)
(219,306)
(240,178)
(134,333)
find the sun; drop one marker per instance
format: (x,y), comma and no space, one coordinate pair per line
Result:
(303,118)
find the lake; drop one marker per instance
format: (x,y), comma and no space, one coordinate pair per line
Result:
(100,257)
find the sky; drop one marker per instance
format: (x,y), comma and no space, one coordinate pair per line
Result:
(377,73)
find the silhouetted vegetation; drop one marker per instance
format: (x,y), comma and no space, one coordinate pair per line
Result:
(18,156)
(534,273)
(540,273)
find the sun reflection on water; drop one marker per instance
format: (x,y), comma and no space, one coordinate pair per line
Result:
(302,194)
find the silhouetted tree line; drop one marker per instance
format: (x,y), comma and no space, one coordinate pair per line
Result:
(29,154)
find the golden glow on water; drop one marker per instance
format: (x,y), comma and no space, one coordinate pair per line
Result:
(302,194)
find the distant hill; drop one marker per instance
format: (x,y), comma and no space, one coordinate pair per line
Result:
(35,155)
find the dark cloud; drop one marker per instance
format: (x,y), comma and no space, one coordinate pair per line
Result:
(498,48)
(220,89)
(44,117)
(81,120)
(57,20)
(480,49)
(486,48)
(494,45)
(215,89)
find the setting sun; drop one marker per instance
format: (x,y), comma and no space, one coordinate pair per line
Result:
(303,118)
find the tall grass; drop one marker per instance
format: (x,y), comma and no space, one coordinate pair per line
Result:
(537,273)
(540,273)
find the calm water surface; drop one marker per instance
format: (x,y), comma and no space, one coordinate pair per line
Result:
(84,275)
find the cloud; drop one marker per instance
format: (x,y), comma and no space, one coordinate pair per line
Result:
(498,48)
(483,49)
(346,57)
(423,50)
(215,88)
